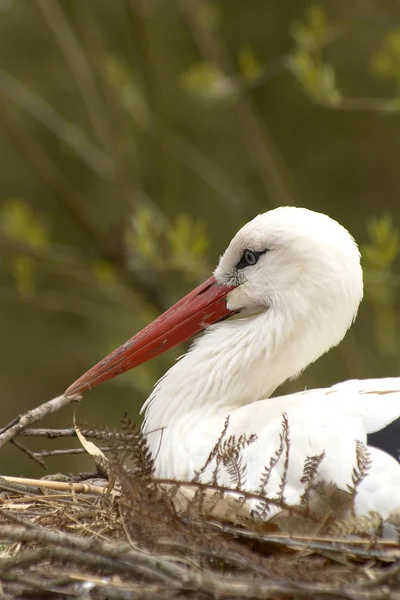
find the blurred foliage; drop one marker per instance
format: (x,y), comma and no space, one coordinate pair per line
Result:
(316,77)
(179,246)
(382,284)
(386,61)
(137,136)
(18,223)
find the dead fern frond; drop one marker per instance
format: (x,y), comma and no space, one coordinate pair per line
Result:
(237,471)
(283,445)
(137,450)
(365,525)
(104,434)
(310,471)
(212,454)
(229,454)
(286,441)
(360,471)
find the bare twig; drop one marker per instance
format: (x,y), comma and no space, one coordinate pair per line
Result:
(360,547)
(64,452)
(121,558)
(36,414)
(50,433)
(32,455)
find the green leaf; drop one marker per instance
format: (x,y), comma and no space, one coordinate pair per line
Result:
(22,269)
(105,273)
(18,222)
(317,79)
(126,87)
(311,33)
(379,255)
(206,81)
(249,66)
(386,62)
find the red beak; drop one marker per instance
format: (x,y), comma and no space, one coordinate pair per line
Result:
(203,306)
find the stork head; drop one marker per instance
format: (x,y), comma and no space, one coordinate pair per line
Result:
(300,264)
(292,259)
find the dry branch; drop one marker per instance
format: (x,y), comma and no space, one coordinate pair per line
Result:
(122,559)
(35,415)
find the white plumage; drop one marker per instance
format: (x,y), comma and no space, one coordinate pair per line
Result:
(308,287)
(296,295)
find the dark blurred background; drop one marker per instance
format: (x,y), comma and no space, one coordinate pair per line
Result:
(137,136)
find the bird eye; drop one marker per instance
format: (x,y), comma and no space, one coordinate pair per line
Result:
(249,258)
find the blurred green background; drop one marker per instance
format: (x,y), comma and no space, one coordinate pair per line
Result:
(137,136)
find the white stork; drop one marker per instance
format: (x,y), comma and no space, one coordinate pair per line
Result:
(293,282)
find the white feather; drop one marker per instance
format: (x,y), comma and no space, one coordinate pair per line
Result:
(306,289)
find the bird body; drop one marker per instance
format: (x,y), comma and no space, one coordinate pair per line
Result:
(328,421)
(286,290)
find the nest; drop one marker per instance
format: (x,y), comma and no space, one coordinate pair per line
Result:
(124,534)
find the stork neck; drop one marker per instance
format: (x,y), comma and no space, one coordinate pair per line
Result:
(234,363)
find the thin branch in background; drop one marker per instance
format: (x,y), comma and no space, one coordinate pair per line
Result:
(261,147)
(199,163)
(78,64)
(72,199)
(144,289)
(236,195)
(380,105)
(67,132)
(63,303)
(77,266)
(83,58)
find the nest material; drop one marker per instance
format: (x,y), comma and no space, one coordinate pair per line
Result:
(146,538)
(85,545)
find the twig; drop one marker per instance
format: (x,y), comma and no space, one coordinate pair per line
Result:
(390,572)
(32,455)
(66,452)
(61,486)
(160,569)
(10,424)
(324,544)
(35,415)
(57,433)
(50,433)
(121,558)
